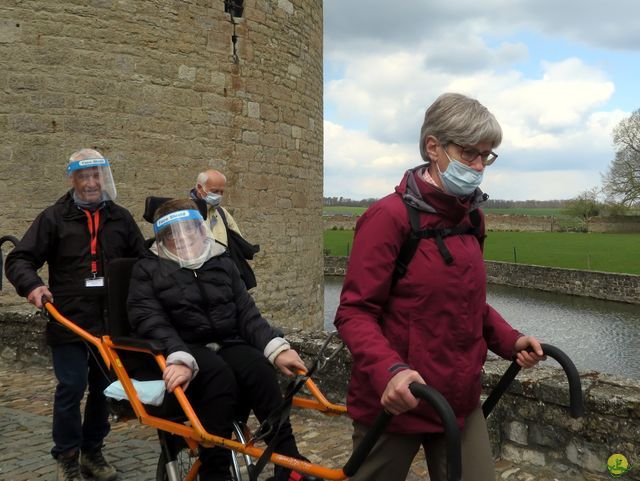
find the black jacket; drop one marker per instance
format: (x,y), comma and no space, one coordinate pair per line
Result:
(183,306)
(60,237)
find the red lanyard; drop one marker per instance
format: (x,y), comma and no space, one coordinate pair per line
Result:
(94,223)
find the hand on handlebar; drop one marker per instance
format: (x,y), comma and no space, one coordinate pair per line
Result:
(177,375)
(36,295)
(397,398)
(289,362)
(528,352)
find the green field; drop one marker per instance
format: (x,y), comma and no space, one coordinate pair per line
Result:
(598,252)
(342,210)
(534,212)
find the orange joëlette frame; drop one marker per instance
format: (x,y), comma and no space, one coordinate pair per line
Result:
(195,433)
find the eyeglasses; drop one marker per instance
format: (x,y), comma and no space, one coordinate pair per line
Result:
(470,155)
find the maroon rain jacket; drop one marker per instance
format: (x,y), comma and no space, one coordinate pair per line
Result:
(435,320)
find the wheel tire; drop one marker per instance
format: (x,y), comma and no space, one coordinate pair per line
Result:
(184,461)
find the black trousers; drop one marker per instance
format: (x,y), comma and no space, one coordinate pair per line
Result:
(232,381)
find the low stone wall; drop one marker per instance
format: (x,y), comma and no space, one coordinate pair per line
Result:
(600,285)
(531,424)
(339,221)
(520,223)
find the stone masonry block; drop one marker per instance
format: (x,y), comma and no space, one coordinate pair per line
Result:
(590,457)
(522,455)
(517,432)
(253,109)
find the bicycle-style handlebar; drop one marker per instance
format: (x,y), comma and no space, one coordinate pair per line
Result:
(451,432)
(576,402)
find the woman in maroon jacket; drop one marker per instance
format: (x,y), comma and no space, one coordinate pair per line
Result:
(430,324)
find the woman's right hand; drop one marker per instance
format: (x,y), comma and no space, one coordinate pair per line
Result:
(177,375)
(397,398)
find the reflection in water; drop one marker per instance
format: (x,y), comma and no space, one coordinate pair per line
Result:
(597,335)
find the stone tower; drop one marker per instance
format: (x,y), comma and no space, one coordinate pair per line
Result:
(165,89)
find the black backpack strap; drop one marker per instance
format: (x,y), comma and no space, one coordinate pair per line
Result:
(476,220)
(220,211)
(409,247)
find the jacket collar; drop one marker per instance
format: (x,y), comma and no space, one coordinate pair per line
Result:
(72,211)
(425,197)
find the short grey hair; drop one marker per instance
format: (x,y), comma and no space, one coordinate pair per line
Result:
(204,176)
(84,154)
(459,119)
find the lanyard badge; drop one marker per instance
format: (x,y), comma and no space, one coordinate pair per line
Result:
(93,222)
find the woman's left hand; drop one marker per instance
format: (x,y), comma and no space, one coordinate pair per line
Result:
(527,359)
(289,362)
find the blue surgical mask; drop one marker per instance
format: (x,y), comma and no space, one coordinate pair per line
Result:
(213,199)
(459,179)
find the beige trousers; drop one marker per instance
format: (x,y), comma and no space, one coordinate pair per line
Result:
(391,457)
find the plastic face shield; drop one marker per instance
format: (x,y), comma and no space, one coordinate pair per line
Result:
(92,180)
(182,237)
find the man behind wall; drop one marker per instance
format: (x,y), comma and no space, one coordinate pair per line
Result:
(77,237)
(210,187)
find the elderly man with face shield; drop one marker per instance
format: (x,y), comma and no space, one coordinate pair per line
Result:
(219,347)
(413,306)
(77,237)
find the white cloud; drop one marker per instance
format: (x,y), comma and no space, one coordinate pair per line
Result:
(522,185)
(357,166)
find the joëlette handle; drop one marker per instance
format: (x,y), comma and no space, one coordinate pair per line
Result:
(451,432)
(576,402)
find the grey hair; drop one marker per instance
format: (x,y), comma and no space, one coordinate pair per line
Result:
(84,154)
(204,176)
(459,119)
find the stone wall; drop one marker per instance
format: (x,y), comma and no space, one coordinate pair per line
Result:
(339,221)
(531,423)
(154,87)
(600,285)
(521,223)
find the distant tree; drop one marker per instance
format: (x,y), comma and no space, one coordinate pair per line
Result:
(622,181)
(585,206)
(614,209)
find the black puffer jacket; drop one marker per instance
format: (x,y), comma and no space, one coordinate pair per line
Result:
(60,237)
(184,306)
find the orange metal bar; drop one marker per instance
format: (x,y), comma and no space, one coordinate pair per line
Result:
(330,408)
(196,432)
(77,330)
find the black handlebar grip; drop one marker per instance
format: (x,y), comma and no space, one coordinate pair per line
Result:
(576,402)
(366,445)
(452,433)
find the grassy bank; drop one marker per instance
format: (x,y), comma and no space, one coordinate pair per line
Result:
(598,252)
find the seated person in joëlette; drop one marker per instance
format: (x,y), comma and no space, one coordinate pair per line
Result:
(219,347)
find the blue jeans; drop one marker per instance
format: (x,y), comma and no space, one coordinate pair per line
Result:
(75,367)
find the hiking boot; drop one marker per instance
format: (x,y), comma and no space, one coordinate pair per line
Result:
(68,468)
(93,464)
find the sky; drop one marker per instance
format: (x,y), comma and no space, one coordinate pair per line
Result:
(558,75)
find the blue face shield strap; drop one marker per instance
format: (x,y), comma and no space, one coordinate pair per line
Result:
(178,216)
(85,164)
